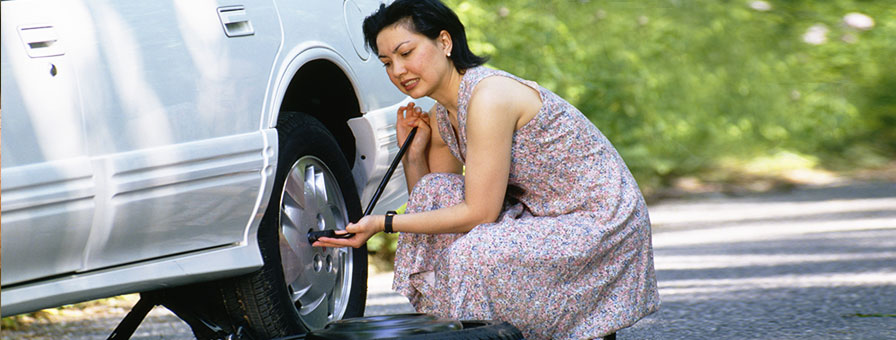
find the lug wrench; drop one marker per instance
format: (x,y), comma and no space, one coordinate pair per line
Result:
(315,235)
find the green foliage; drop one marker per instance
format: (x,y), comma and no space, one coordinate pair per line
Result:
(678,85)
(381,248)
(11,323)
(683,86)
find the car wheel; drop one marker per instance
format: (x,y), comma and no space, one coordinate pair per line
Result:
(300,287)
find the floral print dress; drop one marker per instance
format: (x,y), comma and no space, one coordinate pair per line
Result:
(570,256)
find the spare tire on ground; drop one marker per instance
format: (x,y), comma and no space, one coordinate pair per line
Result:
(412,327)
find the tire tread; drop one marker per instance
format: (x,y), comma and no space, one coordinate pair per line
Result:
(251,298)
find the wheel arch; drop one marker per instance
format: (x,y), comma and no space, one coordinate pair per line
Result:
(321,85)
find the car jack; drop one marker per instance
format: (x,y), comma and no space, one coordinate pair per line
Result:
(207,322)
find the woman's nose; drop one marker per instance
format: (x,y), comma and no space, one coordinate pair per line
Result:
(398,68)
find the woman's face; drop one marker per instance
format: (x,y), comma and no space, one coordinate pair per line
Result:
(415,63)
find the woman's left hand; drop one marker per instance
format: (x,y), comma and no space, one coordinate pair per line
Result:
(363,230)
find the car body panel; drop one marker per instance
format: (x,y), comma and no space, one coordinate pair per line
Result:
(146,159)
(156,78)
(372,160)
(161,273)
(175,199)
(47,178)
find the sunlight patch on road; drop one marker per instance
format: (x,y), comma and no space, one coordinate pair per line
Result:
(727,211)
(691,289)
(691,262)
(387,300)
(766,231)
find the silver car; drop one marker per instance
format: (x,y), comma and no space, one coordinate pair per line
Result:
(156,144)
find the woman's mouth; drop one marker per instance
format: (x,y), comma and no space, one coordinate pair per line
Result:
(410,84)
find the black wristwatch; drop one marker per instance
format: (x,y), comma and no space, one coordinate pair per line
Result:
(387,227)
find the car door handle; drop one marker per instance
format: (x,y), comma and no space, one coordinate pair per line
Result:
(40,41)
(236,22)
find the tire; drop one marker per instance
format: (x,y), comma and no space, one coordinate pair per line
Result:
(413,327)
(475,330)
(301,288)
(480,330)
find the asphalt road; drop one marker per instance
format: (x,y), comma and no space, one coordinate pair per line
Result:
(814,263)
(811,263)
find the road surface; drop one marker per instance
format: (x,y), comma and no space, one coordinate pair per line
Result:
(810,263)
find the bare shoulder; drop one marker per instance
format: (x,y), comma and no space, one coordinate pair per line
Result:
(502,90)
(518,102)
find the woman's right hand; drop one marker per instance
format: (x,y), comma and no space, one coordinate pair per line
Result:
(409,117)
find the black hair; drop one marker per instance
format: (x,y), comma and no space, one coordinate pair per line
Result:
(429,18)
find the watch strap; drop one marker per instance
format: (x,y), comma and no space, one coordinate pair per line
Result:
(387,227)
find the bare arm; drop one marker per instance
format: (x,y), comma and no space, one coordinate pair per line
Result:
(431,153)
(499,106)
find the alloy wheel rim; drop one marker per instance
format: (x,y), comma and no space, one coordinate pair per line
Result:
(318,279)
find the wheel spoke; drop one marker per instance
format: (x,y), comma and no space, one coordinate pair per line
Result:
(292,261)
(331,305)
(319,279)
(311,196)
(329,218)
(298,243)
(295,188)
(292,215)
(320,186)
(343,270)
(295,252)
(301,288)
(292,228)
(343,253)
(330,210)
(315,313)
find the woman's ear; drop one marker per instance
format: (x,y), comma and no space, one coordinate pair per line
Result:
(445,42)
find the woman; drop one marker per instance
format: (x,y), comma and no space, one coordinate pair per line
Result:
(520,209)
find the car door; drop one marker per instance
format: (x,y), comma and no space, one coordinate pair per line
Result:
(173,95)
(47,179)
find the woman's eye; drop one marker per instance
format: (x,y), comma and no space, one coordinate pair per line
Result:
(405,54)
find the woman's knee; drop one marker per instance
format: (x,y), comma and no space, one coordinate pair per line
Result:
(436,190)
(472,252)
